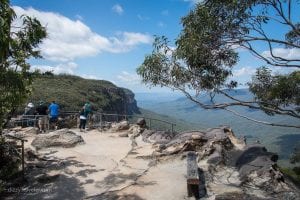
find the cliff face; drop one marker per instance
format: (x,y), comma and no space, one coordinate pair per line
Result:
(71,92)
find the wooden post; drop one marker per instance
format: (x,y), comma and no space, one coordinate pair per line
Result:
(150,124)
(172,128)
(192,175)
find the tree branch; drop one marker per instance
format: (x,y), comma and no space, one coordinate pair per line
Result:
(224,107)
(260,122)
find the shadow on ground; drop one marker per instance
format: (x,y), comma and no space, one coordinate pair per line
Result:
(45,180)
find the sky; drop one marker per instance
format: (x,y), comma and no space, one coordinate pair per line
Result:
(108,39)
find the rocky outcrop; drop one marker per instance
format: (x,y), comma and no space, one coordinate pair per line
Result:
(130,102)
(148,161)
(232,169)
(121,126)
(141,122)
(59,138)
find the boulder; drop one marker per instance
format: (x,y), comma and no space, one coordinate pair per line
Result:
(124,134)
(141,122)
(135,130)
(59,138)
(29,130)
(157,136)
(121,126)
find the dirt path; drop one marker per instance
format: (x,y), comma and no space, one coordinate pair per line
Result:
(105,167)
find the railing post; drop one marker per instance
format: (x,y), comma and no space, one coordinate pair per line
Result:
(172,128)
(150,124)
(101,119)
(22,141)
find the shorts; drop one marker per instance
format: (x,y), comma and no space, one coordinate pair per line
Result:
(43,120)
(53,119)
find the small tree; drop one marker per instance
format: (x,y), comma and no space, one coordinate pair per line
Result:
(205,55)
(17,44)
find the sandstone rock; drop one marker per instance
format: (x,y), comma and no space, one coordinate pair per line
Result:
(121,126)
(29,130)
(18,128)
(61,138)
(22,132)
(141,122)
(196,137)
(157,136)
(123,134)
(30,154)
(215,158)
(237,196)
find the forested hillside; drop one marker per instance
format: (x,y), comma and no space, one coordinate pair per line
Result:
(71,92)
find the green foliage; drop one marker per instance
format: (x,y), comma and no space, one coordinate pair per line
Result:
(276,90)
(72,92)
(295,158)
(292,173)
(204,55)
(16,46)
(9,160)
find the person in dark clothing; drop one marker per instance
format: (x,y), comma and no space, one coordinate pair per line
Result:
(82,117)
(42,110)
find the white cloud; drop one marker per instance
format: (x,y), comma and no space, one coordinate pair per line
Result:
(127,40)
(293,53)
(129,78)
(89,76)
(283,70)
(63,68)
(194,1)
(117,8)
(68,39)
(244,71)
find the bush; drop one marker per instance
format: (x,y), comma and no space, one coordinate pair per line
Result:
(9,159)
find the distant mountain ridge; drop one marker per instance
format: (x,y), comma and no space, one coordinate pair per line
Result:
(276,139)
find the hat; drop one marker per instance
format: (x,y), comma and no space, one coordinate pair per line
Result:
(30,105)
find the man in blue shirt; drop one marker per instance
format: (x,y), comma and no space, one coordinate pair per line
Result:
(54,112)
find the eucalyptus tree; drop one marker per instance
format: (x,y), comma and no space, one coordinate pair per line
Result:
(205,55)
(18,43)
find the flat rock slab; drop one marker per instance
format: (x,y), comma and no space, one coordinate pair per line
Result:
(60,138)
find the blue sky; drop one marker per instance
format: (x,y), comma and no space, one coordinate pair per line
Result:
(108,39)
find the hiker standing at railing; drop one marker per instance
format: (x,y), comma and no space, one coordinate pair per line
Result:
(29,114)
(54,112)
(83,115)
(42,111)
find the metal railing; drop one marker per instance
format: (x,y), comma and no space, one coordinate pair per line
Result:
(100,118)
(28,120)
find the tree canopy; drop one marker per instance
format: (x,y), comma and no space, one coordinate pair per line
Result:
(17,45)
(205,54)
